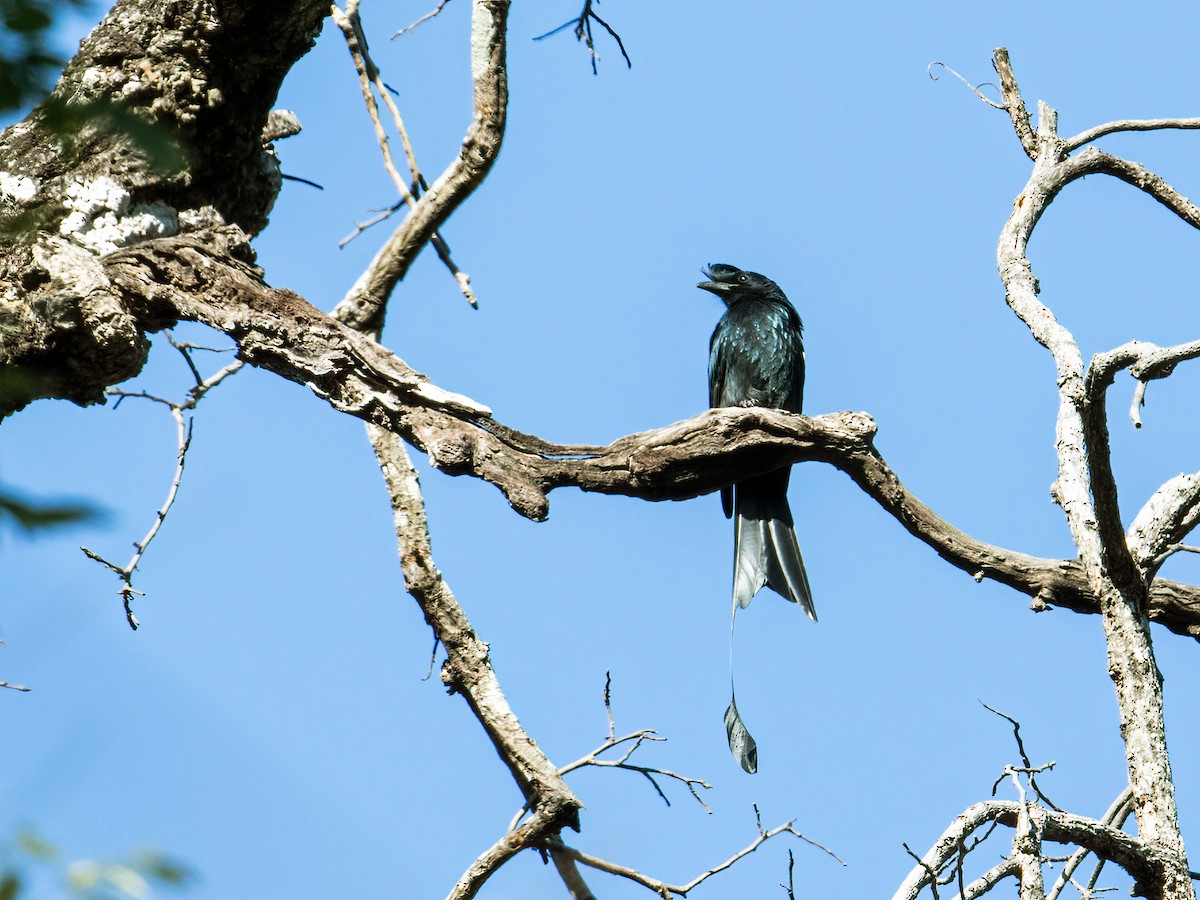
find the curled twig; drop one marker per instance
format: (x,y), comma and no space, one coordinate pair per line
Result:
(974,88)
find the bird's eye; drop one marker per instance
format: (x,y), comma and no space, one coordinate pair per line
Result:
(743,278)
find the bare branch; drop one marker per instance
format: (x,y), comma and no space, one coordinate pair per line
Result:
(279,331)
(662,888)
(1029,767)
(1117,813)
(364,305)
(1085,487)
(583,32)
(974,89)
(1099,131)
(183,427)
(1144,861)
(14,687)
(421,21)
(1008,868)
(1094,161)
(1154,362)
(370,77)
(569,873)
(468,671)
(1170,514)
(1011,94)
(635,740)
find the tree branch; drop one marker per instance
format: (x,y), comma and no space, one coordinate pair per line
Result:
(1099,131)
(370,77)
(1094,161)
(468,671)
(662,888)
(1010,93)
(1086,491)
(1145,862)
(363,306)
(276,330)
(1115,817)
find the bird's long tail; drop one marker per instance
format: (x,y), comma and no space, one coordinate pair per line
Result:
(766,552)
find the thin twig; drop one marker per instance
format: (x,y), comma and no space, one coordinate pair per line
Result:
(931,873)
(421,21)
(662,888)
(1171,550)
(370,81)
(583,32)
(974,88)
(612,727)
(183,428)
(790,887)
(635,740)
(1028,769)
(14,687)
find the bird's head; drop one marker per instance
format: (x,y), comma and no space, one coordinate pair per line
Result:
(732,284)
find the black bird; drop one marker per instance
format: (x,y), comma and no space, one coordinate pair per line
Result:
(756,358)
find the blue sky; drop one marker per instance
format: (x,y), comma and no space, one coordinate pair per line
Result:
(269,723)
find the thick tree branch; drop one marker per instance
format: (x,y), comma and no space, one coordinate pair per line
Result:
(1172,512)
(182,278)
(1094,161)
(1086,489)
(155,128)
(1165,520)
(468,671)
(1145,862)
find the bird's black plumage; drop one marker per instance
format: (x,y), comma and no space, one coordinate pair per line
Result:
(756,358)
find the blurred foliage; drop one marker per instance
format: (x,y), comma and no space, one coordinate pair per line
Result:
(28,66)
(30,858)
(30,516)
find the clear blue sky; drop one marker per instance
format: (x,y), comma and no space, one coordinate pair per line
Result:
(269,723)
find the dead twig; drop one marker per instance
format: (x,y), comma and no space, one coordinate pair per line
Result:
(583,32)
(973,88)
(183,428)
(370,81)
(632,742)
(1028,768)
(666,890)
(421,21)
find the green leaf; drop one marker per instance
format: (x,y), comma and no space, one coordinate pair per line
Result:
(31,516)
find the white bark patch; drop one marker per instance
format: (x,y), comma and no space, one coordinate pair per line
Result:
(17,187)
(483,31)
(102,219)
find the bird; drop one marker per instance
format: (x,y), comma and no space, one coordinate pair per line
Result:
(756,358)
